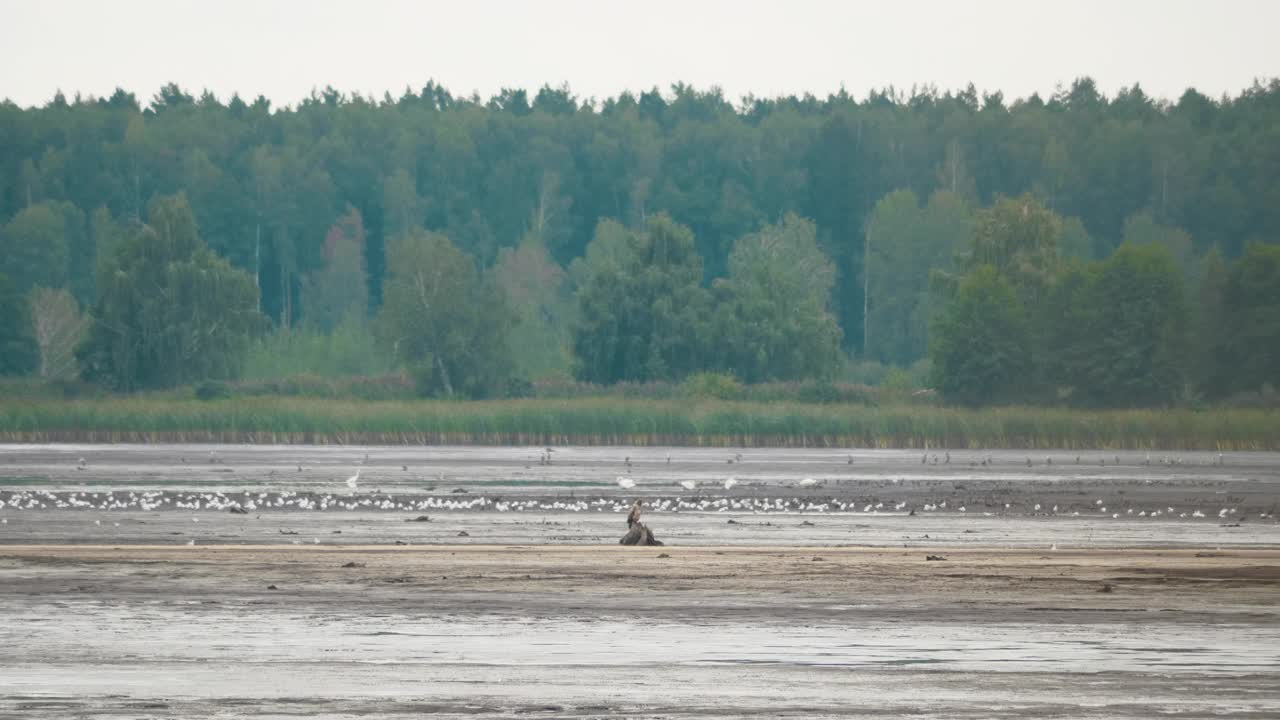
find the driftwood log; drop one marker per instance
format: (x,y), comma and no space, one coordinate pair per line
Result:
(637,532)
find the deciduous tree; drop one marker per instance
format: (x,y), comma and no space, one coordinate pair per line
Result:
(34,248)
(644,317)
(1251,321)
(339,291)
(59,327)
(980,345)
(773,319)
(168,311)
(19,353)
(538,291)
(1125,341)
(449,328)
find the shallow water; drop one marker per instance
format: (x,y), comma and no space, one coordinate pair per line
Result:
(101,633)
(109,660)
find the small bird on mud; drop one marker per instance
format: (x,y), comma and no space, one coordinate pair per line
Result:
(354,480)
(625,482)
(689,484)
(730,483)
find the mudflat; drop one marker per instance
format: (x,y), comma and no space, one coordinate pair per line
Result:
(190,582)
(506,631)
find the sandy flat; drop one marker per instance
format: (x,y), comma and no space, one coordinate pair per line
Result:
(504,631)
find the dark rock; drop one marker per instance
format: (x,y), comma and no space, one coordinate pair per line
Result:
(934,557)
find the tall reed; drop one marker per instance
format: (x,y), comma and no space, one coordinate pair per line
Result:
(594,421)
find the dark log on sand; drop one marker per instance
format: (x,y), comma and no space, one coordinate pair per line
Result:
(639,534)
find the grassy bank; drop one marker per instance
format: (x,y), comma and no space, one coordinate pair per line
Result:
(626,422)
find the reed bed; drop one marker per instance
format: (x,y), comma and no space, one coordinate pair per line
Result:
(628,422)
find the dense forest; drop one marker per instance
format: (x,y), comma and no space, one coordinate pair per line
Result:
(1077,248)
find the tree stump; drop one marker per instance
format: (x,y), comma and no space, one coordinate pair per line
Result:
(639,534)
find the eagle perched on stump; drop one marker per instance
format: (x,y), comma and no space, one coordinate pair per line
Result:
(637,532)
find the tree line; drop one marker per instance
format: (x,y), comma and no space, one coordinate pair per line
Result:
(654,235)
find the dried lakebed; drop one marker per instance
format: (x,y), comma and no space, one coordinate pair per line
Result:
(808,604)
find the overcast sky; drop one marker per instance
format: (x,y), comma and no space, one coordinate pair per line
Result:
(285,49)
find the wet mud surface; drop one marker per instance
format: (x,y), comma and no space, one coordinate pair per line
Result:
(130,589)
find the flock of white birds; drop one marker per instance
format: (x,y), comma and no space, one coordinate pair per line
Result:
(702,500)
(247,501)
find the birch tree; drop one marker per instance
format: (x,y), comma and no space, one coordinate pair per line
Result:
(58,325)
